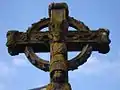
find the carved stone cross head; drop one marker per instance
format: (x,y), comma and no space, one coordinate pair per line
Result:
(58,40)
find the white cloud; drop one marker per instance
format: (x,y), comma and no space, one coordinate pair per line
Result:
(6,69)
(19,62)
(96,66)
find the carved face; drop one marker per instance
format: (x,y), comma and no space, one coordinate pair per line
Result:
(58,76)
(55,36)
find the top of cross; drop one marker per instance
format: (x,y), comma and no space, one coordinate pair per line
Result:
(75,40)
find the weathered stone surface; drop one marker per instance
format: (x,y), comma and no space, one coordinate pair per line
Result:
(58,41)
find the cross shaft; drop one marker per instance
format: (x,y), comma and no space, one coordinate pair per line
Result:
(58,41)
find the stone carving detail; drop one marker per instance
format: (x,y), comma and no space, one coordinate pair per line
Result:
(22,37)
(36,37)
(58,41)
(11,38)
(35,60)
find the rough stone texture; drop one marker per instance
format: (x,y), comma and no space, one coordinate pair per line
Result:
(58,41)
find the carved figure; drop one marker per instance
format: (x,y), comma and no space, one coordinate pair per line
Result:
(58,41)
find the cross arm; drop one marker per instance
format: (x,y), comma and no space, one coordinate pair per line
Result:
(98,39)
(17,41)
(75,40)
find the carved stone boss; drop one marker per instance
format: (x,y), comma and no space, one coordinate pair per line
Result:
(58,41)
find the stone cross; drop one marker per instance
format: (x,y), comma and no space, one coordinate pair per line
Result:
(58,40)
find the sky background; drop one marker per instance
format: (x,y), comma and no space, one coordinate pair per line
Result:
(101,72)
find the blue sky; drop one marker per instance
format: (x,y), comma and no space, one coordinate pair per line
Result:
(101,72)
